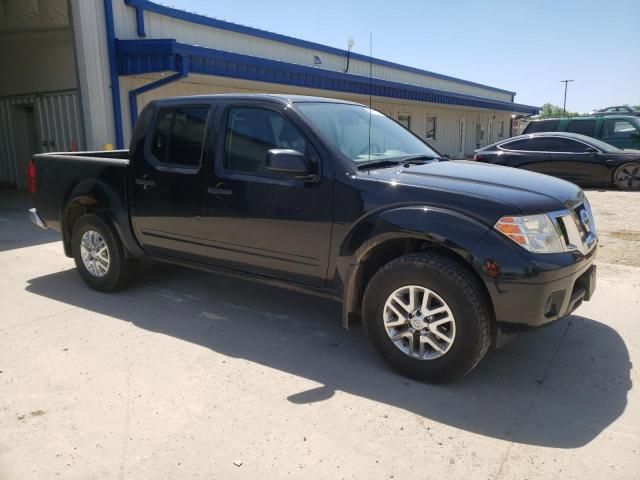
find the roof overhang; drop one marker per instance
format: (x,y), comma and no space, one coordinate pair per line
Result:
(137,57)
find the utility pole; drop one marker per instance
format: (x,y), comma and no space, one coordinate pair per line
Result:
(564,105)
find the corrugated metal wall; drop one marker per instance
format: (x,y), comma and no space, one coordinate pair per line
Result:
(60,121)
(160,26)
(58,127)
(8,167)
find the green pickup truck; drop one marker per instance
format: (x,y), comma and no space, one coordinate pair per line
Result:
(622,131)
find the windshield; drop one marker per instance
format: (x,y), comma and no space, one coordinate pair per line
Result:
(346,126)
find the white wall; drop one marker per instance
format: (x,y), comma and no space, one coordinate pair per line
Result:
(93,72)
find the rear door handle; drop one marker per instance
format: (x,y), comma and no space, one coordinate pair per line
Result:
(145,182)
(219,191)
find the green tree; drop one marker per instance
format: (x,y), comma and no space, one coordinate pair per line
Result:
(553,111)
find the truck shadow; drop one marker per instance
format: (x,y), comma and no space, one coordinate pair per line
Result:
(558,387)
(16,231)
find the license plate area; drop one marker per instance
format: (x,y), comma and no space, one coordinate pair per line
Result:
(588,281)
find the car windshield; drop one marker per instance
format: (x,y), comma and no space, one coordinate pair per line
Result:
(346,126)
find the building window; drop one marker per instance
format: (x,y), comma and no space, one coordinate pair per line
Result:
(405,120)
(431,128)
(501,131)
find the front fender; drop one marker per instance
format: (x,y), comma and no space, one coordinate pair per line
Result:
(439,227)
(92,191)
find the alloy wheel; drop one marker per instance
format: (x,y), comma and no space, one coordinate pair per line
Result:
(419,322)
(627,177)
(95,253)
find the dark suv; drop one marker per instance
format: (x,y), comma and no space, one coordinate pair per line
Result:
(618,130)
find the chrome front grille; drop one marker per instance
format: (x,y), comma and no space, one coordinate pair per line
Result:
(576,227)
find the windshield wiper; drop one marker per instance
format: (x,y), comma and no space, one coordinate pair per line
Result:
(417,160)
(378,164)
(404,161)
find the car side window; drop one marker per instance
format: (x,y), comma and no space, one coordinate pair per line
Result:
(251,133)
(617,129)
(518,145)
(178,136)
(584,127)
(551,144)
(568,145)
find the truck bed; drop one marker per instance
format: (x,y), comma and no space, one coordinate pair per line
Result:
(59,173)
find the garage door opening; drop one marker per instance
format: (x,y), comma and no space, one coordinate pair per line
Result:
(39,101)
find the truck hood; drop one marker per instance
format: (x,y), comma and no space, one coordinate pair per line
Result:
(516,190)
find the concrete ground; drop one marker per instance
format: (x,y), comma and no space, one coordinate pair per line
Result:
(190,375)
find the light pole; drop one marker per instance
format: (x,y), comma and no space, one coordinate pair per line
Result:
(564,105)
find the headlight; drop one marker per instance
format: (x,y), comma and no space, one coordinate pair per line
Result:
(535,233)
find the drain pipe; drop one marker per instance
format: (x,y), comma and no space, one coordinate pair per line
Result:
(183,65)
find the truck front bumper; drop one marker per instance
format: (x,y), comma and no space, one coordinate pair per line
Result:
(36,219)
(529,291)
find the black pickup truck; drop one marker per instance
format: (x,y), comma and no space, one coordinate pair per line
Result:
(438,258)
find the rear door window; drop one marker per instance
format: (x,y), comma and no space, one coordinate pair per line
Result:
(178,136)
(583,127)
(557,144)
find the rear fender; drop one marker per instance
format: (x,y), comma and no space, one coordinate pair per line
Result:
(99,196)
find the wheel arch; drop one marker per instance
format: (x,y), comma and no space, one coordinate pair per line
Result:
(401,231)
(94,196)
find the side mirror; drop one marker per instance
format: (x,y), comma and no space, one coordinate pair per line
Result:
(290,163)
(591,150)
(635,134)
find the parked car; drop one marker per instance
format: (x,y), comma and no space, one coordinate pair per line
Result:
(619,110)
(329,197)
(619,131)
(570,156)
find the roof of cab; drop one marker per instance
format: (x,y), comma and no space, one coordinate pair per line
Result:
(271,97)
(591,117)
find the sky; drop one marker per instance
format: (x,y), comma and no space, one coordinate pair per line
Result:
(521,46)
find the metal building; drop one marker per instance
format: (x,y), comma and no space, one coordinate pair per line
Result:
(80,70)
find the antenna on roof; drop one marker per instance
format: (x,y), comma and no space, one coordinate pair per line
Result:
(370,85)
(350,45)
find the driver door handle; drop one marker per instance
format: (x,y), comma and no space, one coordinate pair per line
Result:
(145,182)
(219,191)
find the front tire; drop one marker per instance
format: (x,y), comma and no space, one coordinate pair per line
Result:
(627,176)
(99,255)
(428,317)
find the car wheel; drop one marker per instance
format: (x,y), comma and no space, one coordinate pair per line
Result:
(627,176)
(99,255)
(428,317)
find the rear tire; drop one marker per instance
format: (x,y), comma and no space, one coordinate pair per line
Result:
(99,255)
(446,336)
(627,176)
